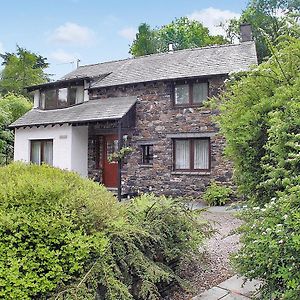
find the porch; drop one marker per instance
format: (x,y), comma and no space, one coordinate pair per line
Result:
(80,138)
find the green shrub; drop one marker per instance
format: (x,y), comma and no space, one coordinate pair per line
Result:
(217,194)
(260,119)
(271,246)
(64,237)
(50,223)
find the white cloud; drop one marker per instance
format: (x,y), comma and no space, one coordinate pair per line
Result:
(72,33)
(128,33)
(212,17)
(61,56)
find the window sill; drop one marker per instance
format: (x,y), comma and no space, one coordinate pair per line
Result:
(199,173)
(146,166)
(188,105)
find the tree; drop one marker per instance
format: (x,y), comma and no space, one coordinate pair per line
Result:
(260,118)
(145,41)
(270,19)
(182,33)
(12,107)
(21,69)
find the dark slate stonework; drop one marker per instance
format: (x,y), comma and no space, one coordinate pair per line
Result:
(156,121)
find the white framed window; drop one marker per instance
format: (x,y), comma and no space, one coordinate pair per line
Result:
(190,93)
(192,154)
(41,151)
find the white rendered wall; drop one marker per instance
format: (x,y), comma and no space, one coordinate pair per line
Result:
(79,158)
(70,145)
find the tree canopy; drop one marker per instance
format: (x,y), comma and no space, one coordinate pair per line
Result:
(270,20)
(182,33)
(21,69)
(12,107)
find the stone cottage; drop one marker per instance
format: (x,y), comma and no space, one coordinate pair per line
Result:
(152,104)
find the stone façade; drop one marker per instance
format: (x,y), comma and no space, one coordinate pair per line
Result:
(157,121)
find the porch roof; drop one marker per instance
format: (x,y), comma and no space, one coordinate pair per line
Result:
(90,111)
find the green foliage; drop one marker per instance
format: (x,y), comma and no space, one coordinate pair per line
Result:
(182,33)
(271,245)
(270,20)
(261,121)
(217,194)
(21,69)
(64,237)
(120,155)
(145,42)
(12,107)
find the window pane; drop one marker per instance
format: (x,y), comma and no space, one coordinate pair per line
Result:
(42,101)
(62,97)
(182,154)
(50,99)
(200,92)
(181,94)
(36,152)
(72,95)
(48,153)
(201,154)
(147,154)
(79,94)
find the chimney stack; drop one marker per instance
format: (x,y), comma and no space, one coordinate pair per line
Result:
(246,33)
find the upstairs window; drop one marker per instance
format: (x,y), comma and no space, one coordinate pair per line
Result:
(192,154)
(60,98)
(190,93)
(41,152)
(147,154)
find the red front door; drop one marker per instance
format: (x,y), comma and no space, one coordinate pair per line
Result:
(110,169)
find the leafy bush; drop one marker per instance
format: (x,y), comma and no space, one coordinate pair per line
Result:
(271,246)
(64,237)
(260,118)
(217,194)
(261,122)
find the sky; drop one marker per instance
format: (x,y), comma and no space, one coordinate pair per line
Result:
(96,31)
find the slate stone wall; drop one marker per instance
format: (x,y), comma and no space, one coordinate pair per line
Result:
(156,120)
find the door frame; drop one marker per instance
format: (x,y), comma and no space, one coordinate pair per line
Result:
(105,162)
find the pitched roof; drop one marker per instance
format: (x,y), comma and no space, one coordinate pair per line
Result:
(206,61)
(90,111)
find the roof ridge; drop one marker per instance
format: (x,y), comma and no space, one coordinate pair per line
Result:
(162,53)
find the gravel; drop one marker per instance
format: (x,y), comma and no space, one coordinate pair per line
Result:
(214,267)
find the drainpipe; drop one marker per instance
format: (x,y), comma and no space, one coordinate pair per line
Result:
(120,144)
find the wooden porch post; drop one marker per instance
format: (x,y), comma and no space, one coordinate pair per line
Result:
(120,145)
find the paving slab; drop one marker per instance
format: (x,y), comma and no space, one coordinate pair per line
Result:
(214,293)
(236,284)
(234,296)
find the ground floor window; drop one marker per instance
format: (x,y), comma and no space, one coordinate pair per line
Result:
(147,154)
(41,151)
(192,154)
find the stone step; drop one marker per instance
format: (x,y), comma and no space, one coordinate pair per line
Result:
(234,288)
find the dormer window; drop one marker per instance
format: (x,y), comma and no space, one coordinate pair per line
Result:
(61,98)
(190,93)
